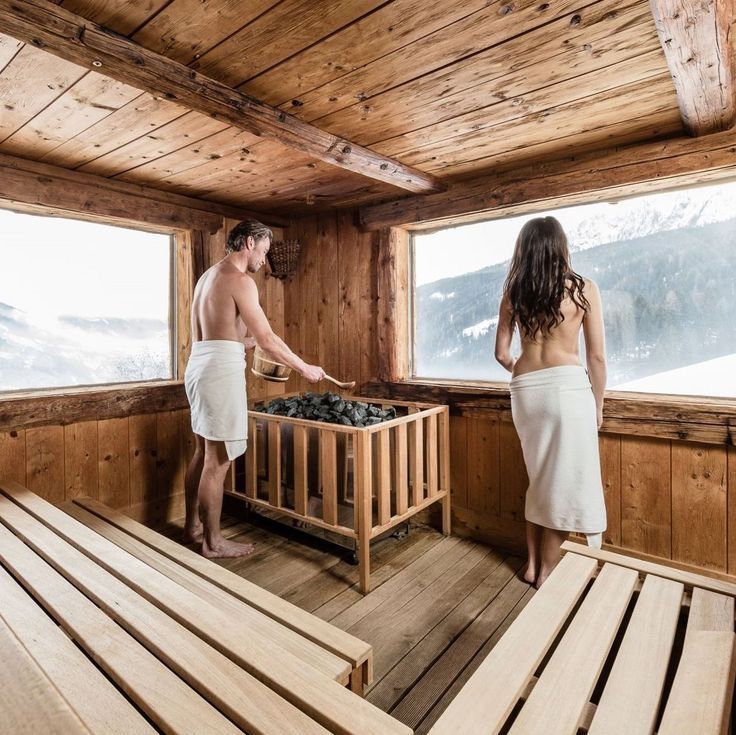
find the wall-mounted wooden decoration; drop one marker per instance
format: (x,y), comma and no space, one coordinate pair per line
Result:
(283,258)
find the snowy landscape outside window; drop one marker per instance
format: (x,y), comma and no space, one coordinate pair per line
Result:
(666,267)
(82,303)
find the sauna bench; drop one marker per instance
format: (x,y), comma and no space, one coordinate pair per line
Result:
(175,638)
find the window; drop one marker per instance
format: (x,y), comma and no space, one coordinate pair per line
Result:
(82,303)
(666,267)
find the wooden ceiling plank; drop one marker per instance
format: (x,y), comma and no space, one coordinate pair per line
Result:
(9,47)
(121,17)
(28,84)
(86,102)
(429,55)
(553,53)
(179,133)
(62,33)
(597,89)
(145,114)
(696,38)
(600,175)
(394,25)
(287,29)
(186,30)
(207,152)
(37,183)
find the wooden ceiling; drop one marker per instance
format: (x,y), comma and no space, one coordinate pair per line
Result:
(454,88)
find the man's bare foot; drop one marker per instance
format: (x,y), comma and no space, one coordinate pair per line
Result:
(193,535)
(226,549)
(529,573)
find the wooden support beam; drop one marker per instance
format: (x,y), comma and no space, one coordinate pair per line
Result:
(30,186)
(696,39)
(598,176)
(46,26)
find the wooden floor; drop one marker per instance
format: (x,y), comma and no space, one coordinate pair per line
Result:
(438,604)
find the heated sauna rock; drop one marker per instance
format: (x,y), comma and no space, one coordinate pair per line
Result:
(328,408)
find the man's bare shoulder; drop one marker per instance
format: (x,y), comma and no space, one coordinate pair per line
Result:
(233,278)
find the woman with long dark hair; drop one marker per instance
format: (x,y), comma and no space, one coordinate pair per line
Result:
(556,405)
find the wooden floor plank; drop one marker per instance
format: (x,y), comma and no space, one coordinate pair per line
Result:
(632,695)
(525,642)
(29,702)
(160,693)
(240,614)
(307,625)
(446,651)
(314,694)
(72,673)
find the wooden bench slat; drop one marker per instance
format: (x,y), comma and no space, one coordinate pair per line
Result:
(492,691)
(236,693)
(326,635)
(689,579)
(558,700)
(318,696)
(241,614)
(29,702)
(700,698)
(709,611)
(70,671)
(633,692)
(160,693)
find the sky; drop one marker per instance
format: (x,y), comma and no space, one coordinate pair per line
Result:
(53,266)
(478,245)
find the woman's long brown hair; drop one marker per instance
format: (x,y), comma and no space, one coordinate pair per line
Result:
(540,277)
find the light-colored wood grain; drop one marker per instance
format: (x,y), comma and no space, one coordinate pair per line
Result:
(80,459)
(401,469)
(632,695)
(383,476)
(113,464)
(301,470)
(416,461)
(363,506)
(321,698)
(525,643)
(328,636)
(274,464)
(328,475)
(30,703)
(72,673)
(45,461)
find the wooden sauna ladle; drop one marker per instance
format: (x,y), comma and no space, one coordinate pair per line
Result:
(339,384)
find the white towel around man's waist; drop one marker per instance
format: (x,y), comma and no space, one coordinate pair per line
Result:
(555,417)
(215,384)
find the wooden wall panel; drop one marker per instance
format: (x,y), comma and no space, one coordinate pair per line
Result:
(80,458)
(514,480)
(142,457)
(459,460)
(610,452)
(113,461)
(13,455)
(699,520)
(483,470)
(45,462)
(731,510)
(646,519)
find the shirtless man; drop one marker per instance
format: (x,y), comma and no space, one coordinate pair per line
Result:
(225,309)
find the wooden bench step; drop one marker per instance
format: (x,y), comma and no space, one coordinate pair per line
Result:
(29,702)
(632,696)
(68,669)
(151,683)
(558,700)
(490,694)
(329,637)
(242,616)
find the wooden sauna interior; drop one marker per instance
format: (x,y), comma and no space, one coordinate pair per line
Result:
(350,125)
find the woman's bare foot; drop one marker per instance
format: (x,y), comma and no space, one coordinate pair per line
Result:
(529,574)
(193,535)
(543,574)
(226,549)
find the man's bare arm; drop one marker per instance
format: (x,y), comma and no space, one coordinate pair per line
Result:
(246,298)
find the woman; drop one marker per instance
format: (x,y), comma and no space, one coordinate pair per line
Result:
(556,406)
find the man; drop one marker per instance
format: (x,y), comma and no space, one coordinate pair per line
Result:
(224,309)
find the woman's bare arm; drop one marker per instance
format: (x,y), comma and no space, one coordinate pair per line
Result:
(504,335)
(595,345)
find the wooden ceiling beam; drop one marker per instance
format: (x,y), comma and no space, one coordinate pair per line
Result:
(696,38)
(39,187)
(596,176)
(48,27)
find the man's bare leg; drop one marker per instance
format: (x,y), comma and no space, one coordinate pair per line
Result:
(534,552)
(551,542)
(211,488)
(192,524)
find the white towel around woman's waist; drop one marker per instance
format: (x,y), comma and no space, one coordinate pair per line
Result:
(555,417)
(215,384)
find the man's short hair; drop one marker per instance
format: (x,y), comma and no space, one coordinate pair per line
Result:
(239,235)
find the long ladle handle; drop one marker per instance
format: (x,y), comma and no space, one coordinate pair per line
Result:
(338,383)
